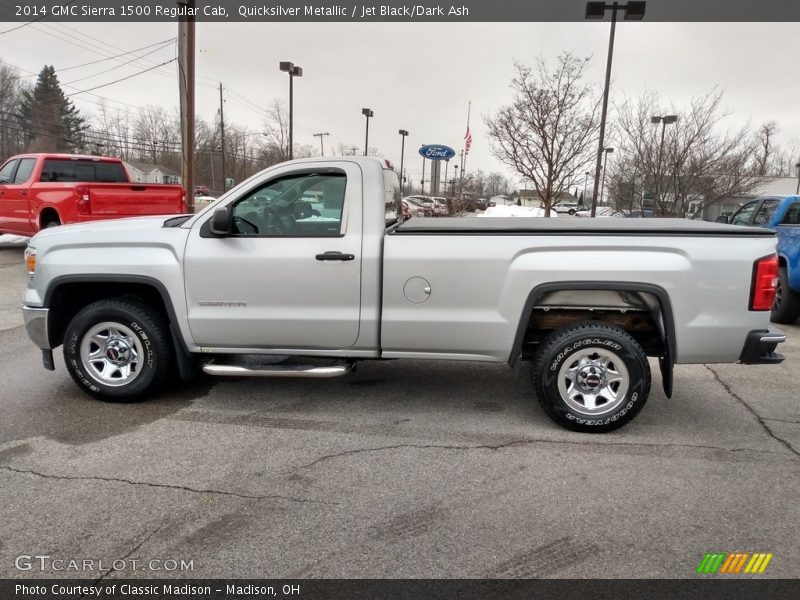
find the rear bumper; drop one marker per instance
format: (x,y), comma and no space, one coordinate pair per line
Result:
(36,325)
(759,347)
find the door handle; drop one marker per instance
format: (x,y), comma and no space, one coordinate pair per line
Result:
(333,255)
(23,192)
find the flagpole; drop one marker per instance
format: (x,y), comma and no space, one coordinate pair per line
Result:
(464,156)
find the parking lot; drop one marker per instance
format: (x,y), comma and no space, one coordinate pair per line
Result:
(402,469)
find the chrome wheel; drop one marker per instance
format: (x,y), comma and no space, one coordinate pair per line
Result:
(112,354)
(594,381)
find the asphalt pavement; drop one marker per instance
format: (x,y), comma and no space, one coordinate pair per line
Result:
(402,469)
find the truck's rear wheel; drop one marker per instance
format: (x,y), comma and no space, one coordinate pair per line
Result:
(591,377)
(786,308)
(118,350)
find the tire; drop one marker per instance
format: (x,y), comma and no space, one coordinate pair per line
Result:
(571,212)
(118,350)
(593,353)
(52,223)
(786,308)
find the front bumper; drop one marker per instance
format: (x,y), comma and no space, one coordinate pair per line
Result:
(37,327)
(759,347)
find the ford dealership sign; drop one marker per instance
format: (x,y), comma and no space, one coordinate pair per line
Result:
(437,152)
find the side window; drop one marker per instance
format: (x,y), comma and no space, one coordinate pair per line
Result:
(308,205)
(766,212)
(792,216)
(7,170)
(743,216)
(24,170)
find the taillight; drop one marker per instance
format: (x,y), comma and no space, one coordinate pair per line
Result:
(84,206)
(765,280)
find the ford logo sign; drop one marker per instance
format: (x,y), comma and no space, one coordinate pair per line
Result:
(437,152)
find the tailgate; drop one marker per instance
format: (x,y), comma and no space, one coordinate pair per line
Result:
(132,200)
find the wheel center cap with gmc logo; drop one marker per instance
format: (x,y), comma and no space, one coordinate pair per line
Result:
(590,378)
(118,352)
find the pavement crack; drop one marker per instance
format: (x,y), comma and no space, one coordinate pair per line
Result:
(783,421)
(752,411)
(164,486)
(129,554)
(520,442)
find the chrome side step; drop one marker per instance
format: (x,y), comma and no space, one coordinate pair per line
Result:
(278,370)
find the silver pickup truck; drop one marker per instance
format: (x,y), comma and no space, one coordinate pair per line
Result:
(309,259)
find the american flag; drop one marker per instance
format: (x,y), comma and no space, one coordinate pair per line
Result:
(467,141)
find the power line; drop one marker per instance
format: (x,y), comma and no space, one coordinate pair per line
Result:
(97,87)
(94,62)
(119,66)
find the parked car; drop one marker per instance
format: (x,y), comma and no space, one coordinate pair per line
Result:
(440,206)
(586,300)
(38,191)
(602,212)
(647,213)
(410,209)
(569,207)
(783,215)
(201,190)
(427,209)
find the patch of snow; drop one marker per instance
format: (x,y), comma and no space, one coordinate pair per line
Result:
(13,240)
(515,211)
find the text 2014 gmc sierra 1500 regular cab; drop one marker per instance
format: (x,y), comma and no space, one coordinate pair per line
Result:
(38,191)
(308,259)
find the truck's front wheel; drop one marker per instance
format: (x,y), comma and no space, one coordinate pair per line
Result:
(591,377)
(118,350)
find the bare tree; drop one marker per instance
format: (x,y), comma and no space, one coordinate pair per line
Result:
(766,147)
(276,131)
(698,163)
(12,139)
(548,133)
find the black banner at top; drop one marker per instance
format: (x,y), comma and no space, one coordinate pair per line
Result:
(391,10)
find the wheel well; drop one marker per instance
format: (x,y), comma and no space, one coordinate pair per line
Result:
(68,299)
(638,313)
(781,261)
(48,215)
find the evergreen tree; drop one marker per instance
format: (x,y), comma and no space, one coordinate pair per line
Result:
(50,120)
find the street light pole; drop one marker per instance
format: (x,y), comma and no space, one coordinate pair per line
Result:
(367,113)
(403,133)
(606,151)
(583,198)
(293,71)
(797,166)
(597,10)
(422,182)
(665,120)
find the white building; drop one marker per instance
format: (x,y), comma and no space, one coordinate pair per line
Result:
(147,173)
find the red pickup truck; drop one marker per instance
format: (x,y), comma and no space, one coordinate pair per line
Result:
(44,190)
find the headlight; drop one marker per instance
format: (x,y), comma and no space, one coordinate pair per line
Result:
(30,259)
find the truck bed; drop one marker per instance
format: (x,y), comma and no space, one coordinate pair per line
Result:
(571,226)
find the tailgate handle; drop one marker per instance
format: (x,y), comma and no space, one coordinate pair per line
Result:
(332,255)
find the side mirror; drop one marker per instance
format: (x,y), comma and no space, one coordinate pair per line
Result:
(220,225)
(721,219)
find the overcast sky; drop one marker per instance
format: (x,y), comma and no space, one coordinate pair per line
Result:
(418,76)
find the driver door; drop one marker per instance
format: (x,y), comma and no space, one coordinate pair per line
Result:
(289,274)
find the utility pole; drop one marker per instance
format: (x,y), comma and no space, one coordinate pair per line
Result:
(186,67)
(321,145)
(222,135)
